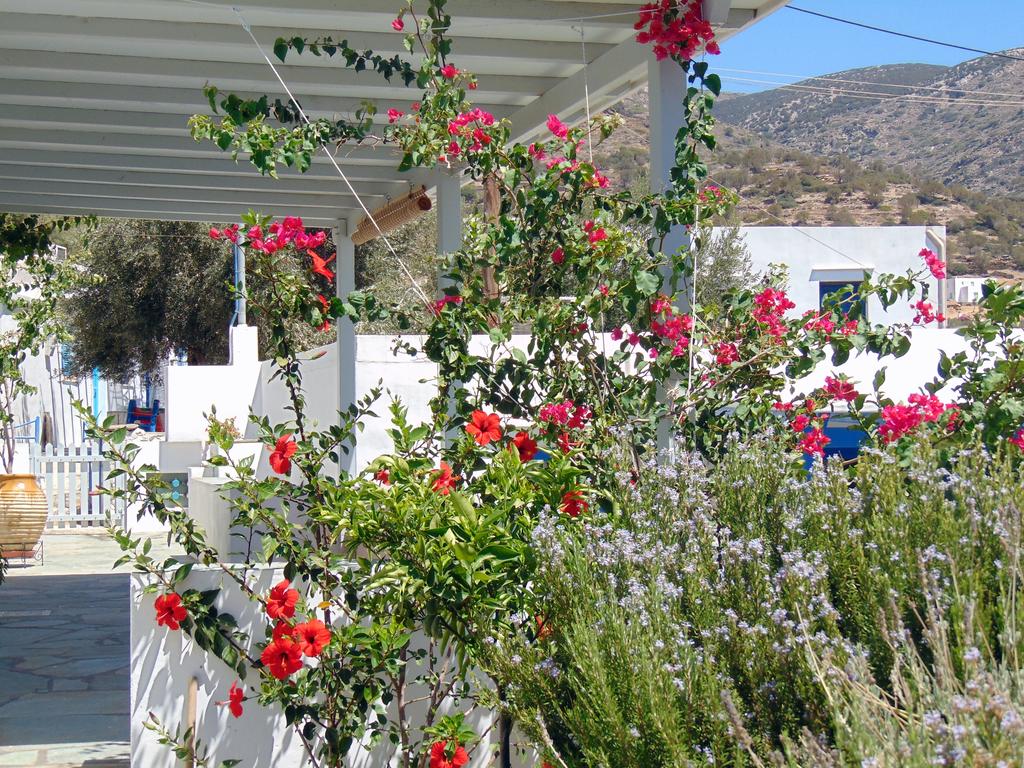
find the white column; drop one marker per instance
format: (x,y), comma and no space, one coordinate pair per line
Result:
(345,282)
(449,217)
(667,87)
(449,239)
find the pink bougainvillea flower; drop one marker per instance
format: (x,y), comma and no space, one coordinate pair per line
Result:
(558,255)
(1018,439)
(440,758)
(394,115)
(935,264)
(444,480)
(397,24)
(617,334)
(840,389)
(536,152)
(926,313)
(169,610)
(597,235)
(800,422)
(444,301)
(814,442)
(449,71)
(484,427)
(282,657)
(215,233)
(525,445)
(236,696)
(573,503)
(557,127)
(726,353)
(281,456)
(899,419)
(312,637)
(282,600)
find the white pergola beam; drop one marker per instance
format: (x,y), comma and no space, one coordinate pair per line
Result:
(198,167)
(470,18)
(176,40)
(239,183)
(257,76)
(189,196)
(165,210)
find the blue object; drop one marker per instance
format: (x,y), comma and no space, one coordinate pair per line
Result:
(145,418)
(848,304)
(845,439)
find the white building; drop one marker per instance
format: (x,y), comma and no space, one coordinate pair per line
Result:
(825,259)
(965,289)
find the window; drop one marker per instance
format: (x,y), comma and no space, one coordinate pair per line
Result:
(847,304)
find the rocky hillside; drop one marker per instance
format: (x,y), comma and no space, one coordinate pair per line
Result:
(781,184)
(958,125)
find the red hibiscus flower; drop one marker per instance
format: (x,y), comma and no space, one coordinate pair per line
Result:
(312,637)
(282,657)
(449,71)
(281,456)
(444,480)
(439,756)
(282,629)
(525,445)
(573,503)
(169,610)
(383,477)
(236,696)
(281,601)
(320,265)
(484,427)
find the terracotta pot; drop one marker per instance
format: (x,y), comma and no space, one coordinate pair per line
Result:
(22,514)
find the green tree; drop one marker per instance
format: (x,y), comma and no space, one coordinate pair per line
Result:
(157,288)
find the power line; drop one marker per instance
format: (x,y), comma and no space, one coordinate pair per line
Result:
(851,93)
(831,79)
(906,35)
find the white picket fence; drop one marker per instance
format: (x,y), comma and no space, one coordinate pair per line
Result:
(71,477)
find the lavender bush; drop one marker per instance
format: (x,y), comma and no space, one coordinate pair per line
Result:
(745,613)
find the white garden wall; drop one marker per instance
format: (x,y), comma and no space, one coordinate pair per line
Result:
(164,662)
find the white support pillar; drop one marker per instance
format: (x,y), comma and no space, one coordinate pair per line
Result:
(449,217)
(345,282)
(666,88)
(449,239)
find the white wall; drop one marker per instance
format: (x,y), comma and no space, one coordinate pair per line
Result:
(164,661)
(828,254)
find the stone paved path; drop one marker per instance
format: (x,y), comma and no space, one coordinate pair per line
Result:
(64,658)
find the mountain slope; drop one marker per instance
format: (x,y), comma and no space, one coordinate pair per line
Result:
(935,127)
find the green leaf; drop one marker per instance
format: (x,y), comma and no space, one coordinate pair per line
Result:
(648,283)
(281,48)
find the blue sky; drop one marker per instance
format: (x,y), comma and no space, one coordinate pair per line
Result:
(796,43)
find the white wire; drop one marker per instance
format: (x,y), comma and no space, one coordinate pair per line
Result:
(337,167)
(831,79)
(801,230)
(876,96)
(586,93)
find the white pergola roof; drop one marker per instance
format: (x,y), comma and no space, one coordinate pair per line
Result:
(95,94)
